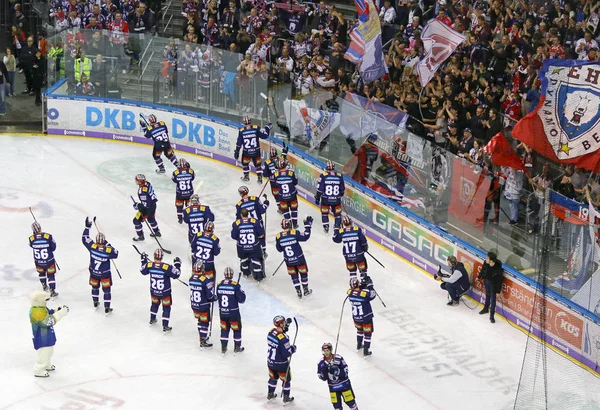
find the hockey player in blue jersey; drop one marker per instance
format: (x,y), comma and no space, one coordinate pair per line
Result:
(201,297)
(256,210)
(330,190)
(195,216)
(43,246)
(101,252)
(288,242)
(158,132)
(279,353)
(183,177)
(248,233)
(230,295)
(146,208)
(287,195)
(360,295)
(248,142)
(269,168)
(205,246)
(333,369)
(160,285)
(354,246)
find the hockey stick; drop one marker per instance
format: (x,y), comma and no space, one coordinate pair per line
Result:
(278,267)
(375,259)
(35,220)
(212,312)
(263,188)
(287,372)
(340,326)
(381,300)
(143,117)
(263,95)
(112,260)
(140,253)
(152,231)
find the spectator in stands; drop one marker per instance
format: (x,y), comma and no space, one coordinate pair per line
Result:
(282,71)
(584,44)
(491,274)
(143,19)
(56,58)
(512,191)
(26,58)
(579,181)
(85,87)
(4,85)
(98,44)
(99,74)
(564,185)
(11,67)
(73,21)
(190,36)
(535,206)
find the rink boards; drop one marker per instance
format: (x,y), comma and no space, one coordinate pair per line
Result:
(571,330)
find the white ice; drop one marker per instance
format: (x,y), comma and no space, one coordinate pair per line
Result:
(426,355)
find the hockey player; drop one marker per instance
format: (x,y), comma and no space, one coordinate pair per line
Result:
(269,168)
(230,295)
(248,142)
(288,242)
(248,233)
(333,369)
(330,190)
(101,252)
(202,295)
(457,282)
(255,210)
(286,182)
(279,354)
(43,246)
(146,208)
(42,322)
(183,177)
(195,216)
(160,285)
(361,294)
(158,132)
(205,246)
(354,246)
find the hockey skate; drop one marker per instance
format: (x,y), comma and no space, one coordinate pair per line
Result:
(155,234)
(287,398)
(108,311)
(160,170)
(152,321)
(359,345)
(238,349)
(96,304)
(326,229)
(260,179)
(205,343)
(367,352)
(53,293)
(279,211)
(51,368)
(167,329)
(271,396)
(265,254)
(245,178)
(307,291)
(139,238)
(299,292)
(223,349)
(179,219)
(45,288)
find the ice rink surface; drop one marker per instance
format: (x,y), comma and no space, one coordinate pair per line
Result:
(426,355)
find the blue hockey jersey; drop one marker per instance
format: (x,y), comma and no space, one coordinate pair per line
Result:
(146,195)
(335,372)
(289,243)
(269,168)
(205,246)
(360,300)
(183,179)
(255,208)
(354,243)
(248,139)
(201,293)
(247,233)
(279,349)
(43,246)
(196,216)
(230,295)
(100,255)
(160,277)
(157,132)
(286,182)
(331,187)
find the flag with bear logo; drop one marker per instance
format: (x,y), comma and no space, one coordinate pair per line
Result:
(565,126)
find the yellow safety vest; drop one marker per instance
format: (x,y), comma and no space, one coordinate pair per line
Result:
(85,68)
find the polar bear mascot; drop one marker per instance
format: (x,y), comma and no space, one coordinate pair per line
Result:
(42,324)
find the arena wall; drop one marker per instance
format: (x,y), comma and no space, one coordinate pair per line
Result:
(571,330)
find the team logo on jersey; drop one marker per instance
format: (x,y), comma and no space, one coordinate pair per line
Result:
(570,115)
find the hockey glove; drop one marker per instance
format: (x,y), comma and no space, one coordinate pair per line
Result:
(177,262)
(88,223)
(135,206)
(144,258)
(323,377)
(143,124)
(213,298)
(366,246)
(308,221)
(266,201)
(293,348)
(318,198)
(236,154)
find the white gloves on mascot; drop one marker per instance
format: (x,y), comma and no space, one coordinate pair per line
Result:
(42,324)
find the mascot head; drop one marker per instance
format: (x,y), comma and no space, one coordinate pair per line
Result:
(39,298)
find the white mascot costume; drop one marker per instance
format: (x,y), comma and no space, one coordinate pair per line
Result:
(42,324)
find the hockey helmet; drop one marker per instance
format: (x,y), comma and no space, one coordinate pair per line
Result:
(327,346)
(279,321)
(183,164)
(36,227)
(195,199)
(140,179)
(158,254)
(329,166)
(354,283)
(246,120)
(100,238)
(281,163)
(346,221)
(372,137)
(209,227)
(198,267)
(228,274)
(243,190)
(286,224)
(152,119)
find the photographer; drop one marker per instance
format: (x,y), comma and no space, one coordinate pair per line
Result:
(456,283)
(491,274)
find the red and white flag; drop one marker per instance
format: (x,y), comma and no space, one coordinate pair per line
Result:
(439,41)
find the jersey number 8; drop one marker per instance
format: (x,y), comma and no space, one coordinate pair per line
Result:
(224,301)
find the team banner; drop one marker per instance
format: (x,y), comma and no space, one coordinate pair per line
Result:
(470,189)
(315,125)
(379,110)
(439,42)
(565,126)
